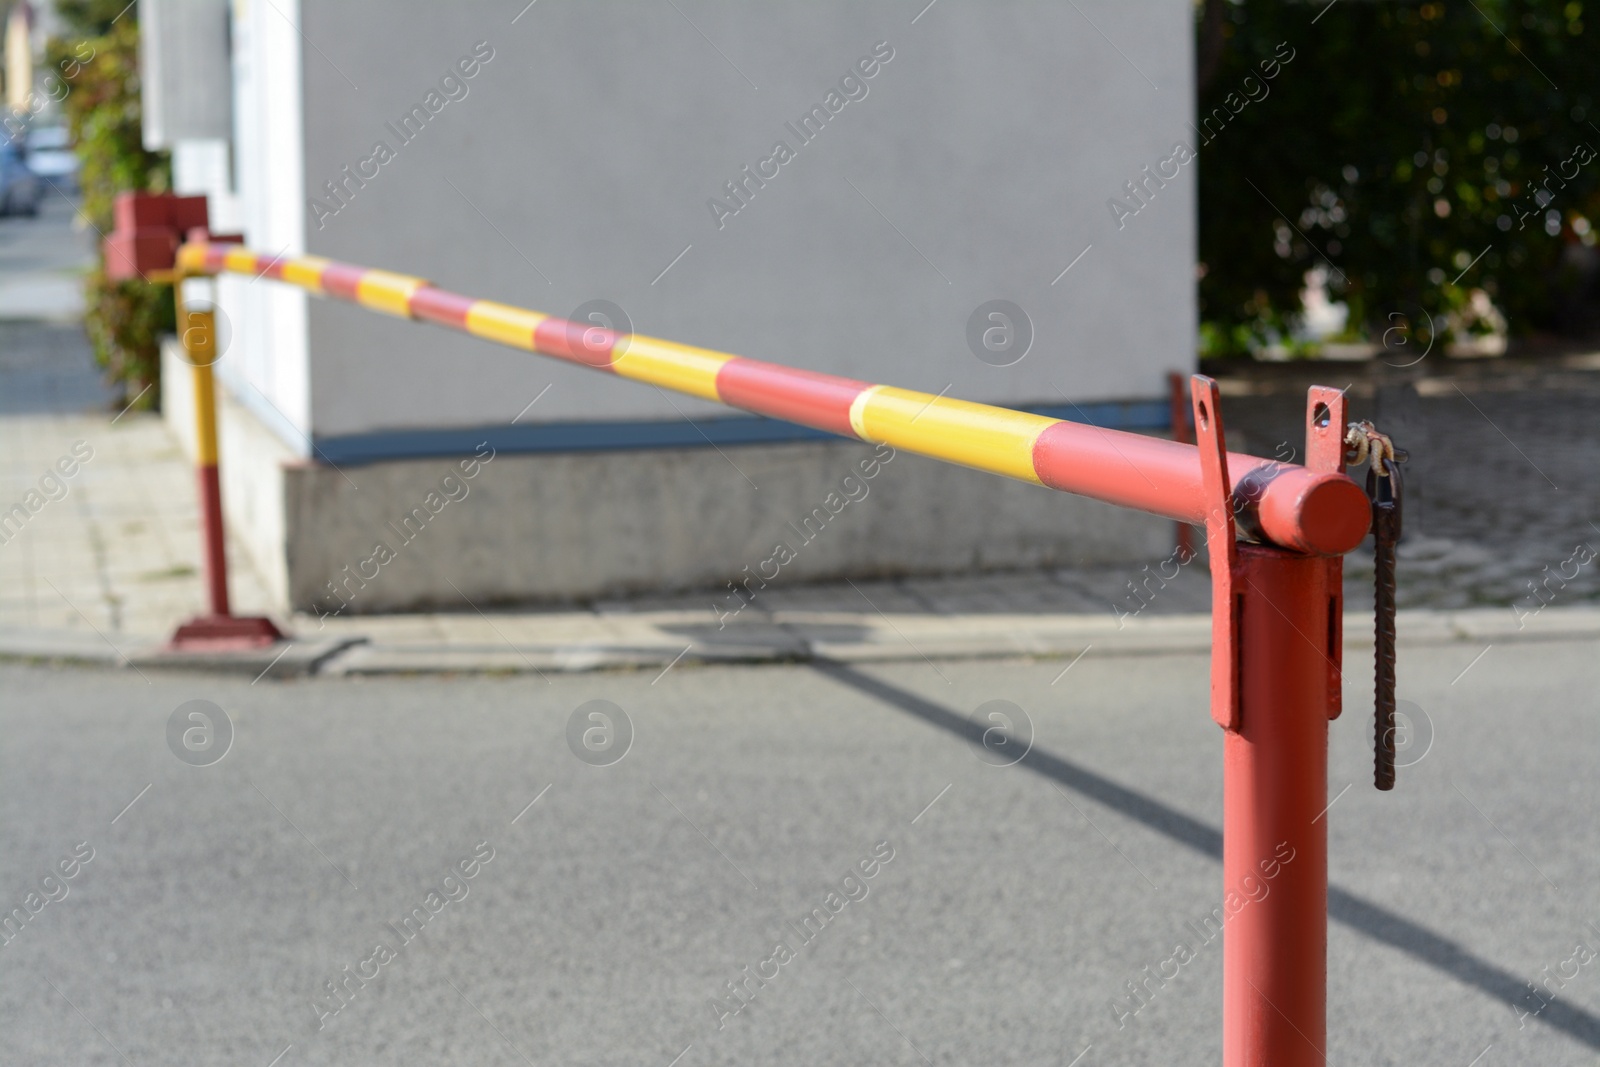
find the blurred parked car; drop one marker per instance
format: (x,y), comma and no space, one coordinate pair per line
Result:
(48,153)
(20,188)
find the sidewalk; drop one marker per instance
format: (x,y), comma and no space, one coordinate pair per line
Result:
(104,573)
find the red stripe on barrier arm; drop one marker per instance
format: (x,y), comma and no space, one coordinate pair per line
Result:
(821,401)
(441,306)
(216,256)
(270,267)
(1318,512)
(341,279)
(587,344)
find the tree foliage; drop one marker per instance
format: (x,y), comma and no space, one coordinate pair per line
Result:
(1417,151)
(94,18)
(124,319)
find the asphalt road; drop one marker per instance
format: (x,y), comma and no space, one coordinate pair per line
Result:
(220,899)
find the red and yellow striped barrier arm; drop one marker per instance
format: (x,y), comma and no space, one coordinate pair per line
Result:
(1285,505)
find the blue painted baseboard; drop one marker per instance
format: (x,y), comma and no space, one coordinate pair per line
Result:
(380,445)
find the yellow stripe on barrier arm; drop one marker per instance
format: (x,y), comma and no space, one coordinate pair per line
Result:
(388,292)
(191,259)
(682,368)
(985,438)
(240,261)
(305,271)
(504,323)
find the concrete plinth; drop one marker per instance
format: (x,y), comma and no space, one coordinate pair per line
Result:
(497,528)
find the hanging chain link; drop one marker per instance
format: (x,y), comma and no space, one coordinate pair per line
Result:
(1364,445)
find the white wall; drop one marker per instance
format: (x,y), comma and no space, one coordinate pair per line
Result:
(594,137)
(267,363)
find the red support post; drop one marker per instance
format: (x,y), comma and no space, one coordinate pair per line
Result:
(1275,650)
(199,346)
(1274,839)
(210,486)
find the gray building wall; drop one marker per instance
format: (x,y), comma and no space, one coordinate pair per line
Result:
(579,164)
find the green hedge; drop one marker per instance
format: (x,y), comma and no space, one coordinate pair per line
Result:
(1420,151)
(124,320)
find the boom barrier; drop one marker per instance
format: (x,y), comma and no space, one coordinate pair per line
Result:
(1275,532)
(1292,507)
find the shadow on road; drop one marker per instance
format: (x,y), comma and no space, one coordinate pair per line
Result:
(1365,917)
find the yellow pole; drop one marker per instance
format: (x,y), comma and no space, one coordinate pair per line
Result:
(198,332)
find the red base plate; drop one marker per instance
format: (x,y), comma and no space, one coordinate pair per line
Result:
(225,633)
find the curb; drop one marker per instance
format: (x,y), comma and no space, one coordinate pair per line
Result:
(940,638)
(285,659)
(660,645)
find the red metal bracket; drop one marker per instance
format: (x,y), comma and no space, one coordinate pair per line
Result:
(1223,549)
(148,229)
(1326,415)
(1178,405)
(1325,420)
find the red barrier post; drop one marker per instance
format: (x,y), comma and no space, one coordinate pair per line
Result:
(198,330)
(1274,838)
(220,629)
(144,243)
(1277,619)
